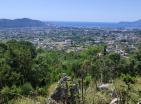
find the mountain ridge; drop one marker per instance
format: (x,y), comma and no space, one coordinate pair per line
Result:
(27,22)
(23,22)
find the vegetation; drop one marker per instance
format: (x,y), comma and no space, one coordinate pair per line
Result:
(27,72)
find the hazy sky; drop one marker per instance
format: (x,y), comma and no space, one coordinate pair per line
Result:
(72,10)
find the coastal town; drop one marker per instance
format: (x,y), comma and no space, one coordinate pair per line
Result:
(122,41)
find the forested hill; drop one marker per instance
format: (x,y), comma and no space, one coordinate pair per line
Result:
(24,22)
(30,72)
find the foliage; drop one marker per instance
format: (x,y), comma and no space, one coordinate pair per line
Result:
(27,89)
(25,69)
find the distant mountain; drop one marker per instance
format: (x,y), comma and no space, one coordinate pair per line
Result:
(130,24)
(24,22)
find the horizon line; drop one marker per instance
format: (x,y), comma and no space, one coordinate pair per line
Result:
(70,20)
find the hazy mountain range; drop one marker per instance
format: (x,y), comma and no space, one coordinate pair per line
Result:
(26,22)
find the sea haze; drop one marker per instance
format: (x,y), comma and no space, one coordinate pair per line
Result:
(83,24)
(135,24)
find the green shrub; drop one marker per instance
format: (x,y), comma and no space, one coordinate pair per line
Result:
(15,89)
(42,91)
(5,90)
(88,80)
(27,89)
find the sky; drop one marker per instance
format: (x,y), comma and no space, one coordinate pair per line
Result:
(72,10)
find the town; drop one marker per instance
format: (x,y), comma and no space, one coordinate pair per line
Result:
(122,41)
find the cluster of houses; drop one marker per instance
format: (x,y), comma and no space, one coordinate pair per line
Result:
(122,41)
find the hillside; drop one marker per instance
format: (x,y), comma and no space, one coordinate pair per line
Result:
(30,75)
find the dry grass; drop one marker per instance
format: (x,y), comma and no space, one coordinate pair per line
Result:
(52,88)
(92,96)
(23,100)
(99,97)
(96,97)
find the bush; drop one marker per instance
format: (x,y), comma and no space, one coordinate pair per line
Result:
(5,90)
(15,89)
(88,80)
(42,91)
(27,89)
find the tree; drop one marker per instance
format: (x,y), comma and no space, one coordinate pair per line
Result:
(128,80)
(115,59)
